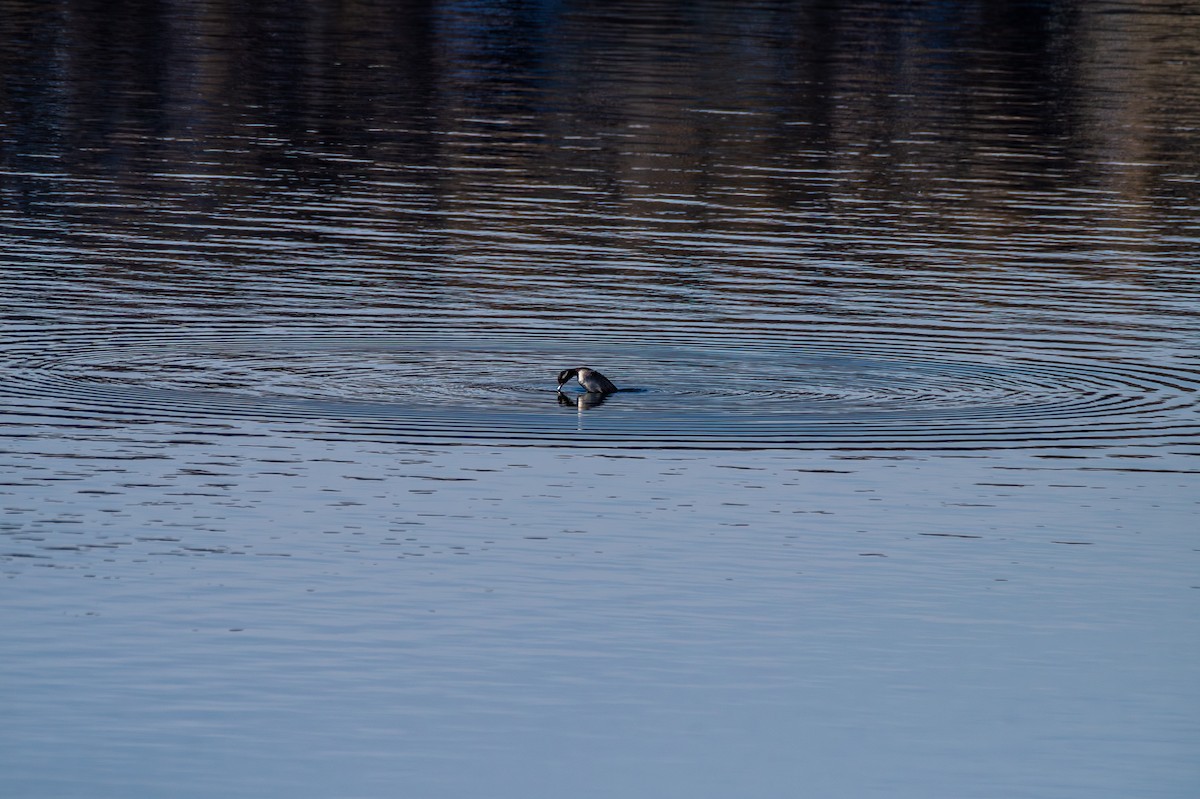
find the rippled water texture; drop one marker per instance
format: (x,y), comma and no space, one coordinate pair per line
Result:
(898,498)
(702,388)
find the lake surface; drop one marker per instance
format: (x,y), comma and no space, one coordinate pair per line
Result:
(901,499)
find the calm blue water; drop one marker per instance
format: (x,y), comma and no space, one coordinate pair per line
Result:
(903,503)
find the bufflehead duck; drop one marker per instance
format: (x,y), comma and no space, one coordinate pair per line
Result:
(592,381)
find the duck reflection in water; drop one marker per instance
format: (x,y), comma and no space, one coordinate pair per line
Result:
(582,401)
(596,386)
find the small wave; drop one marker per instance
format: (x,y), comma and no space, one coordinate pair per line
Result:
(754,389)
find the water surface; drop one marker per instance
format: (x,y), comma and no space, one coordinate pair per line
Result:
(902,503)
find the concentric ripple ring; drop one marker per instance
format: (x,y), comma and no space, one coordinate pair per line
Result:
(706,389)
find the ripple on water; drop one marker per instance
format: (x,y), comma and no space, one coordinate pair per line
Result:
(755,388)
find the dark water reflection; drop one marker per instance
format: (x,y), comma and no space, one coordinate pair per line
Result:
(903,502)
(961,178)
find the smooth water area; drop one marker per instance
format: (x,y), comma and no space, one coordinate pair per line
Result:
(901,499)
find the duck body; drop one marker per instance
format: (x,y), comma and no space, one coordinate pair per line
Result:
(592,381)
